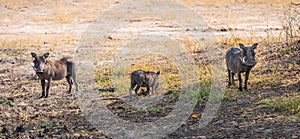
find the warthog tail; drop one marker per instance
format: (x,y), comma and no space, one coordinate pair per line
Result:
(64,59)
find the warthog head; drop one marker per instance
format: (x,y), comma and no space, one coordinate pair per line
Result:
(39,62)
(248,55)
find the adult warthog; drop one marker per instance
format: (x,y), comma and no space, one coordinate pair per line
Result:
(239,61)
(140,78)
(54,70)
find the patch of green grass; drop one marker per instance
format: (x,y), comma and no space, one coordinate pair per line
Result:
(246,112)
(7,102)
(48,124)
(232,93)
(157,110)
(203,95)
(175,94)
(292,104)
(140,111)
(218,113)
(286,51)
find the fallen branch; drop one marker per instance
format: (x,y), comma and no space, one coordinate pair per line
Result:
(296,4)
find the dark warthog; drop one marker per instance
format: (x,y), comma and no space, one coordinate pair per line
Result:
(54,70)
(239,61)
(140,78)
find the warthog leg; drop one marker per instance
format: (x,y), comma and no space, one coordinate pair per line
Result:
(246,79)
(48,87)
(69,80)
(138,86)
(232,77)
(229,81)
(43,88)
(131,87)
(240,81)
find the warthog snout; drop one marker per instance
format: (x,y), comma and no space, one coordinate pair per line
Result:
(249,61)
(239,61)
(38,70)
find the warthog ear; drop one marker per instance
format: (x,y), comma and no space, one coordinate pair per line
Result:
(158,72)
(242,46)
(254,46)
(46,55)
(33,55)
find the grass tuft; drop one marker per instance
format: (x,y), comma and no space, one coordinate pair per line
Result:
(202,95)
(286,51)
(291,104)
(7,102)
(157,110)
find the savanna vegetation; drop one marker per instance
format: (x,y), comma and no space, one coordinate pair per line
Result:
(269,109)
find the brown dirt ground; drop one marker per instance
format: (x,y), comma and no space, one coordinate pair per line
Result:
(44,25)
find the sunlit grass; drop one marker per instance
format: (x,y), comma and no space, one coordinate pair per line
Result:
(291,103)
(104,77)
(169,77)
(231,93)
(120,78)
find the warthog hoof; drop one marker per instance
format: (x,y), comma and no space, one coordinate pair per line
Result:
(229,84)
(41,97)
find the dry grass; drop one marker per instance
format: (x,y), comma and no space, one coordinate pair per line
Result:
(169,76)
(271,85)
(291,103)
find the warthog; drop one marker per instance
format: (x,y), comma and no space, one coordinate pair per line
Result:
(140,78)
(54,70)
(239,61)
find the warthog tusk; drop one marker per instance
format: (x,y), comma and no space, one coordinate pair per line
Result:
(243,60)
(32,65)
